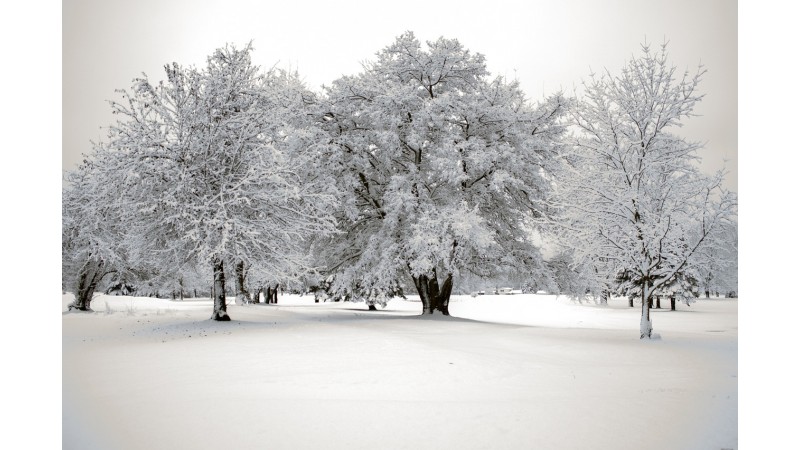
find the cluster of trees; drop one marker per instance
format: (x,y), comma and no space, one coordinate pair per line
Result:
(422,167)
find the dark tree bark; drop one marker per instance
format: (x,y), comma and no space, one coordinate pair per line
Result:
(220,308)
(242,296)
(658,302)
(90,275)
(433,298)
(443,299)
(433,286)
(672,303)
(257,295)
(630,301)
(275,294)
(423,289)
(372,307)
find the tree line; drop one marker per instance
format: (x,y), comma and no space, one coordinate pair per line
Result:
(422,167)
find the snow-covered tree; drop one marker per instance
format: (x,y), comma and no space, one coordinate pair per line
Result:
(441,171)
(716,265)
(214,171)
(92,231)
(628,196)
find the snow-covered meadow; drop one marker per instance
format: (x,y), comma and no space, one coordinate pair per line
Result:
(503,372)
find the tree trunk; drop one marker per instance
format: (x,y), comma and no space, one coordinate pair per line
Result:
(672,303)
(645,326)
(88,278)
(433,287)
(257,295)
(275,294)
(423,289)
(433,298)
(220,308)
(372,307)
(443,299)
(242,296)
(630,301)
(658,302)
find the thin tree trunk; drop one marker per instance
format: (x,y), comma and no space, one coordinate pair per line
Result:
(275,294)
(658,302)
(630,301)
(645,326)
(242,296)
(220,308)
(672,303)
(257,295)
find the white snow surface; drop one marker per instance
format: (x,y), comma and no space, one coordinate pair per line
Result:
(503,372)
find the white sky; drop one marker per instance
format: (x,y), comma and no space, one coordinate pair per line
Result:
(546,45)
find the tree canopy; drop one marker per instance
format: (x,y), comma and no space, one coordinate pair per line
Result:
(441,169)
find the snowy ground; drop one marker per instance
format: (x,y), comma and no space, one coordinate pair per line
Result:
(505,372)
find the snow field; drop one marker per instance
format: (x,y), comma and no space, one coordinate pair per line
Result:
(522,371)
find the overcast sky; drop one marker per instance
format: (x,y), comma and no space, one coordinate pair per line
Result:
(548,46)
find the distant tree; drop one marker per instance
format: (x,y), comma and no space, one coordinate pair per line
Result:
(575,279)
(209,169)
(440,169)
(628,195)
(716,265)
